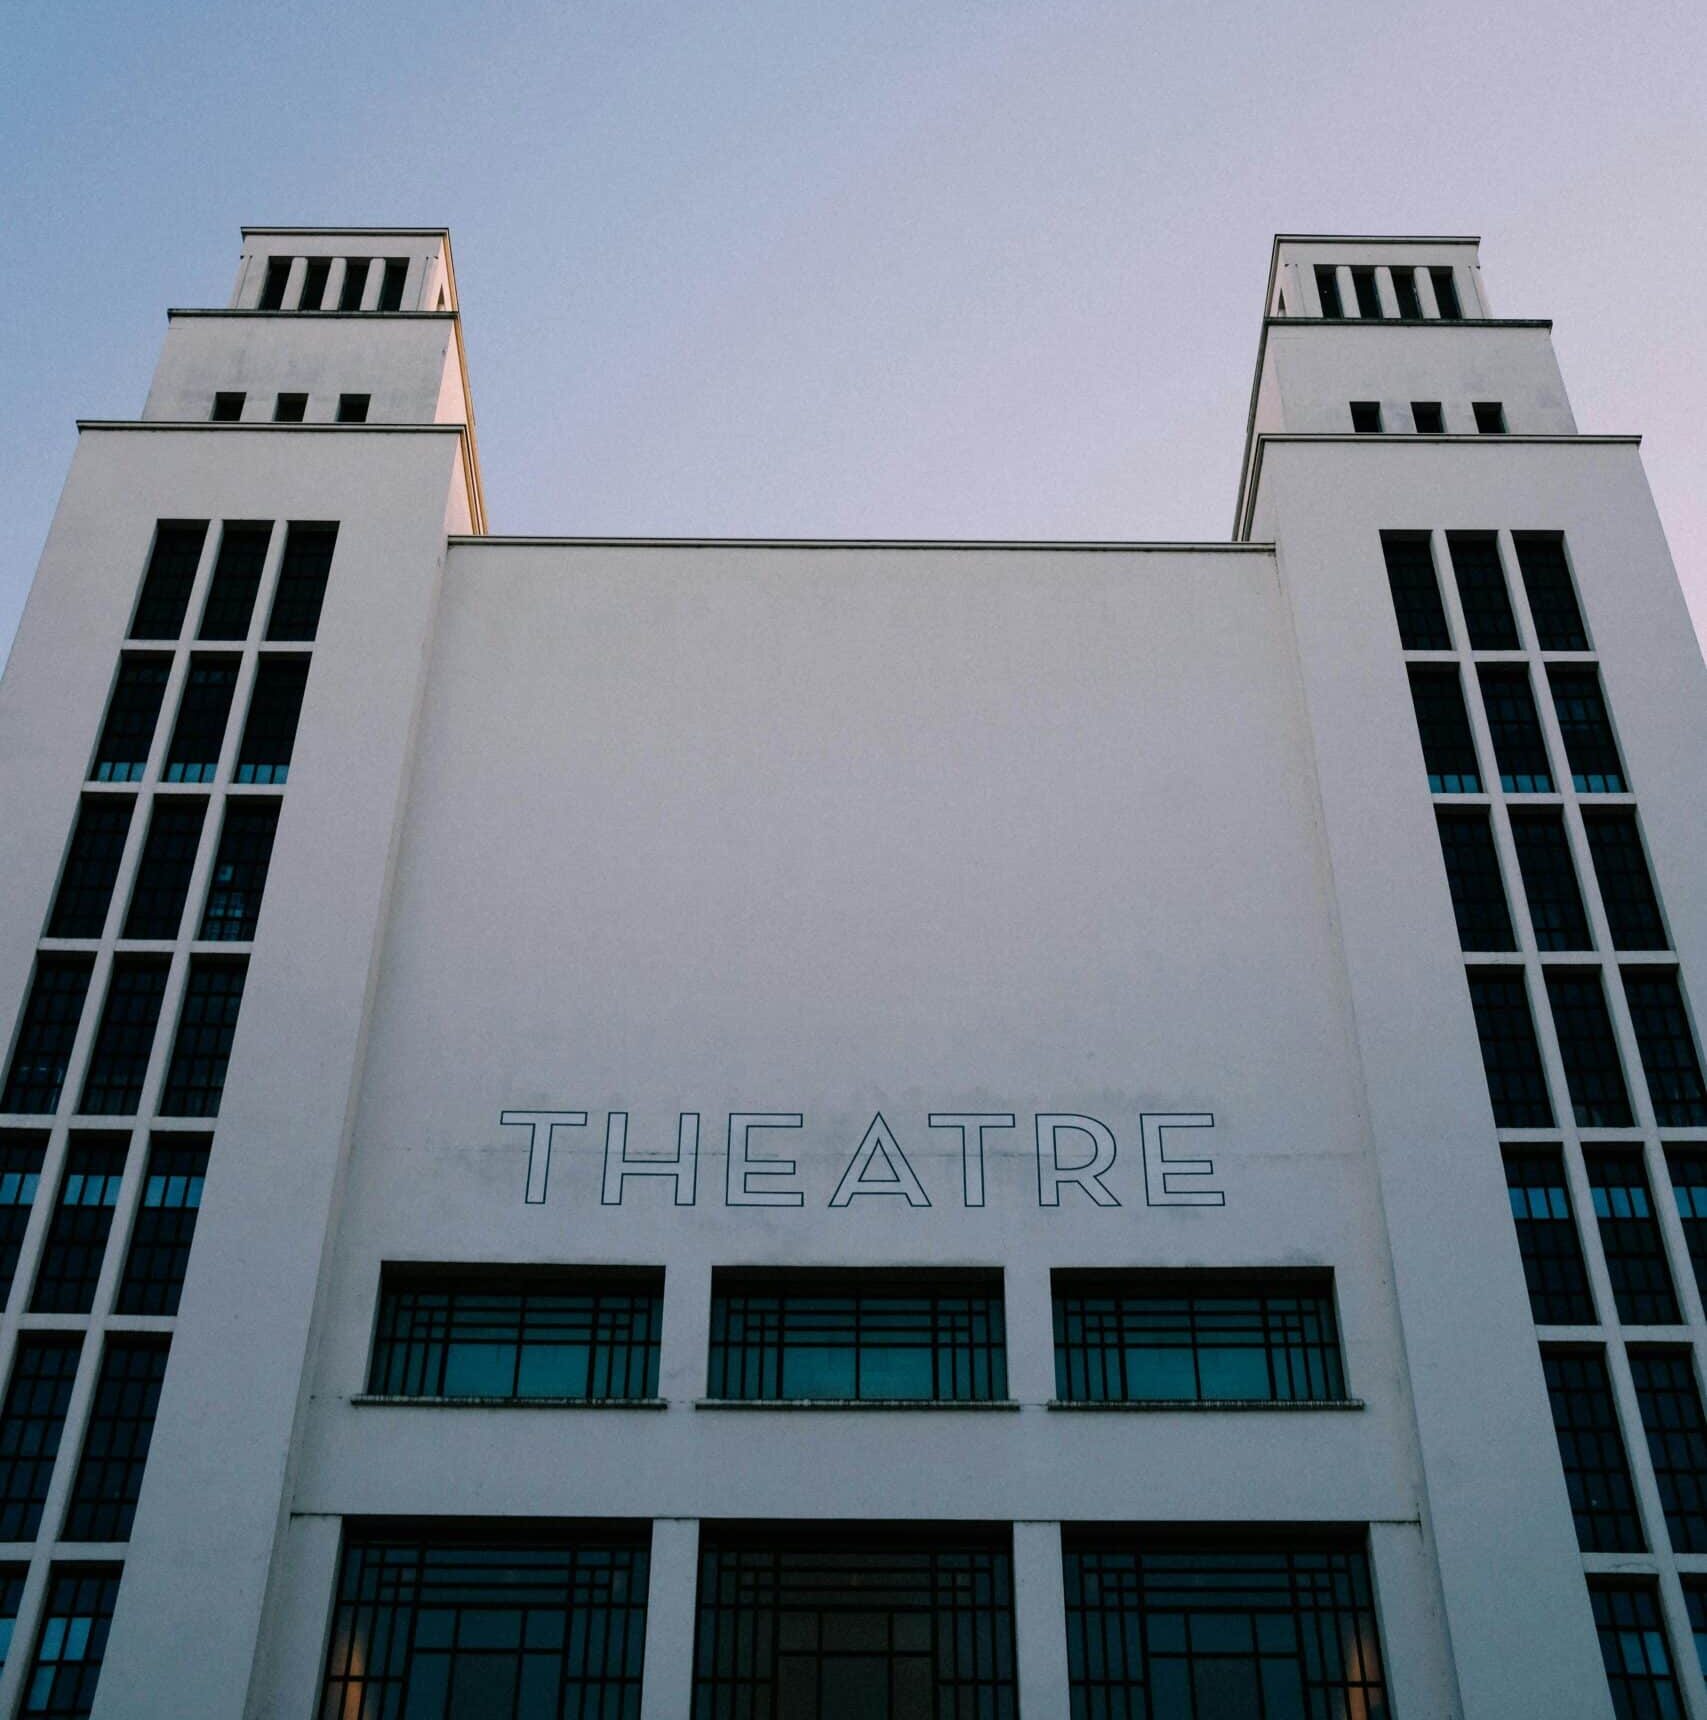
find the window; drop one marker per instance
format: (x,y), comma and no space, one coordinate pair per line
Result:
(1630,1237)
(1550,881)
(1482,591)
(121,754)
(1426,416)
(290,409)
(115,1447)
(269,734)
(302,581)
(163,873)
(1593,1071)
(91,866)
(314,283)
(1633,1648)
(118,1063)
(1405,291)
(1446,295)
(355,279)
(37,1397)
(227,408)
(1677,1441)
(1328,290)
(391,283)
(1626,887)
(199,731)
(1552,597)
(1416,592)
(77,1238)
(1473,876)
(1515,728)
(1490,417)
(816,1622)
(1510,1055)
(1547,1239)
(1587,731)
(46,1034)
(536,1335)
(240,870)
(1449,754)
(274,284)
(236,579)
(460,1625)
(1366,417)
(1591,1448)
(1364,290)
(1274,1627)
(352,408)
(72,1643)
(166,585)
(1669,1058)
(165,1225)
(11,1598)
(206,1026)
(1140,1337)
(1695,1598)
(1688,1168)
(21,1154)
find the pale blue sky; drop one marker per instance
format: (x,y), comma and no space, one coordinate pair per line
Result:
(947,268)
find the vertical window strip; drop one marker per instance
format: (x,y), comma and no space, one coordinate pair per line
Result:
(1626,886)
(203,709)
(240,870)
(1667,1047)
(1672,1418)
(171,575)
(21,1154)
(1688,1170)
(118,1063)
(1591,1448)
(236,579)
(1473,877)
(1552,598)
(1449,752)
(1630,1237)
(133,710)
(72,1642)
(1594,1073)
(70,1267)
(1550,881)
(1416,591)
(32,1421)
(46,1034)
(1554,1269)
(303,573)
(207,1024)
(108,1482)
(1586,727)
(165,1225)
(1482,591)
(1634,1649)
(1514,725)
(91,866)
(275,706)
(163,873)
(1511,1055)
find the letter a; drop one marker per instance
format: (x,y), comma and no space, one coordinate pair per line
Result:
(879,1139)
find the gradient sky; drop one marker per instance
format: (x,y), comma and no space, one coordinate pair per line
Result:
(849,267)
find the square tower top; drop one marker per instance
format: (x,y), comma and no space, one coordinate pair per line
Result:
(345,269)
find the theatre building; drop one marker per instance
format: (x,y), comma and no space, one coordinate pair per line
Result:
(852,1130)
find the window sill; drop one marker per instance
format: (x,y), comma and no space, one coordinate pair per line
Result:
(371,1400)
(1197,1406)
(937,1404)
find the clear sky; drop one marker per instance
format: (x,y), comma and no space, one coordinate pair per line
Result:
(855,267)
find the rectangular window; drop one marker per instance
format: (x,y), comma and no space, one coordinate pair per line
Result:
(918,1335)
(811,1623)
(465,1625)
(355,280)
(1364,289)
(269,733)
(1630,1237)
(1161,1627)
(193,755)
(227,407)
(1677,1441)
(171,574)
(352,408)
(583,1335)
(1482,591)
(91,866)
(1550,881)
(1473,876)
(1427,419)
(1405,291)
(1588,1049)
(207,1024)
(1587,731)
(1553,1266)
(115,1447)
(1591,1448)
(1633,1649)
(240,870)
(1366,417)
(1669,1058)
(314,283)
(1328,290)
(76,1242)
(1490,417)
(391,283)
(1695,1598)
(165,1225)
(236,579)
(121,754)
(1449,754)
(290,409)
(72,1642)
(11,1598)
(1552,597)
(1446,295)
(1688,1168)
(46,1034)
(273,285)
(1515,728)
(1416,592)
(1510,1055)
(31,1423)
(302,581)
(118,1063)
(1141,1337)
(163,873)
(21,1154)
(1626,886)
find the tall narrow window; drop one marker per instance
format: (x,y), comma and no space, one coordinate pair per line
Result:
(1588,1049)
(355,281)
(302,581)
(207,1024)
(1550,881)
(115,1446)
(1449,753)
(1427,419)
(119,1061)
(1695,1599)
(236,579)
(1552,597)
(1364,289)
(1490,417)
(227,407)
(269,733)
(76,1242)
(72,1642)
(314,283)
(1366,417)
(1626,886)
(1634,1650)
(273,284)
(1328,290)
(1553,1267)
(21,1154)
(1591,1448)
(1510,1055)
(1669,1058)
(1482,591)
(165,1225)
(1688,1168)
(1405,292)
(391,283)
(1473,876)
(11,1598)
(31,1423)
(91,866)
(1515,727)
(121,754)
(1630,1237)
(171,574)
(1416,592)
(352,408)
(46,1035)
(1446,294)
(1677,1441)
(1587,731)
(163,874)
(193,755)
(240,870)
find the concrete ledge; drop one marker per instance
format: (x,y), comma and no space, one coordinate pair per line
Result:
(1197,1406)
(370,1400)
(854,1404)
